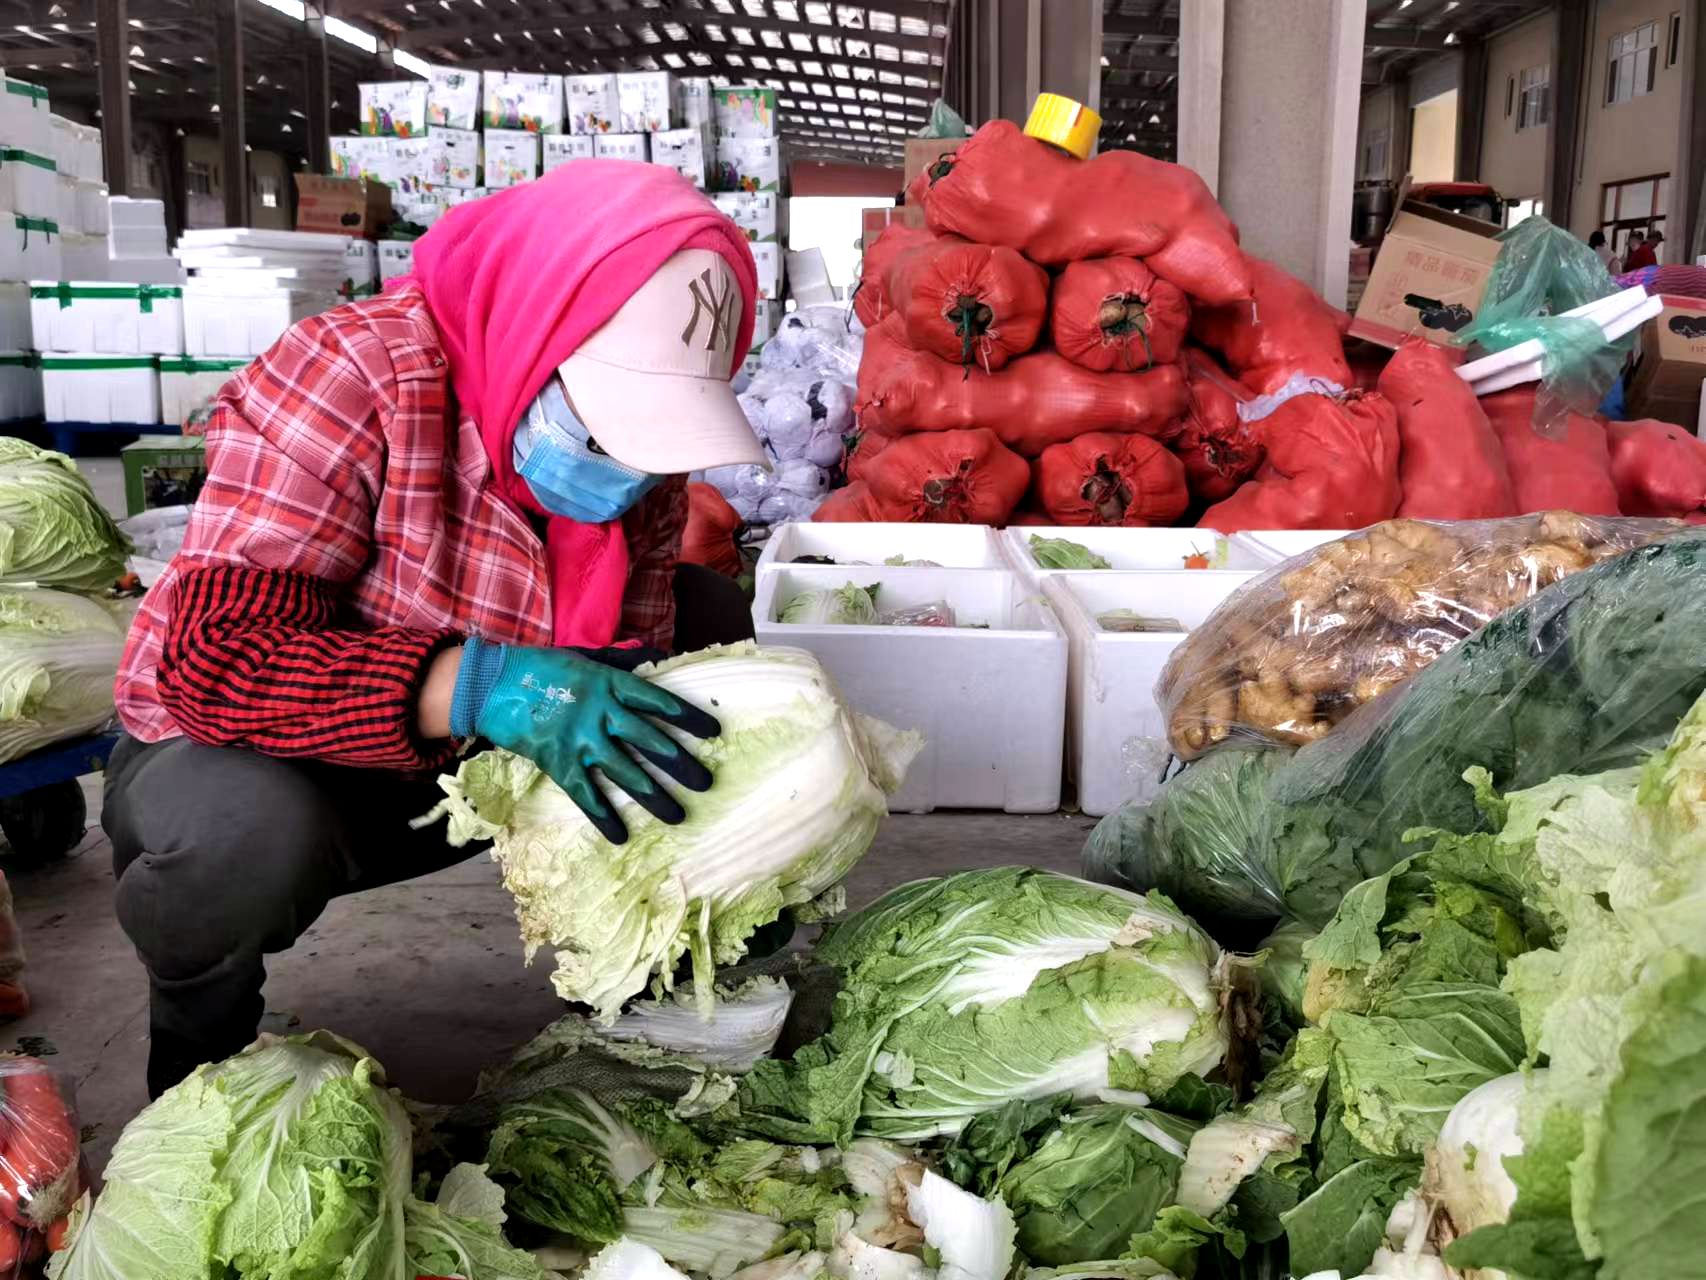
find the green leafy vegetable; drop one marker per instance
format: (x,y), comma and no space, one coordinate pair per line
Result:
(59,655)
(844,606)
(1061,553)
(53,530)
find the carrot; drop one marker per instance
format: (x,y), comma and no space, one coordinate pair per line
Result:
(1196,560)
(57,1232)
(38,1165)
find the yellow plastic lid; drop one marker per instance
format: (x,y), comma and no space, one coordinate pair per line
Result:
(1069,125)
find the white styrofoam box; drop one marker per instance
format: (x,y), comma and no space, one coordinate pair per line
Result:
(394,108)
(953,546)
(228,324)
(522,100)
(693,101)
(982,750)
(560,148)
(136,242)
(1116,736)
(323,244)
(85,258)
(592,104)
(687,151)
(748,164)
(1133,548)
(62,144)
(645,101)
(188,385)
(1275,545)
(161,270)
(453,98)
(808,278)
(396,258)
(131,212)
(88,161)
(29,247)
(28,182)
(114,319)
(754,212)
(25,117)
(767,257)
(65,202)
(745,111)
(92,217)
(512,156)
(88,387)
(461,164)
(361,262)
(20,385)
(620,146)
(15,333)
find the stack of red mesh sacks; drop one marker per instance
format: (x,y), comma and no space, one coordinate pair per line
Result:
(1029,357)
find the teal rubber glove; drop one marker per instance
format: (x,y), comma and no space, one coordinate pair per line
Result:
(575,716)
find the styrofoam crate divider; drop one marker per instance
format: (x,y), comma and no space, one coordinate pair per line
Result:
(26,119)
(990,703)
(1116,737)
(119,319)
(953,546)
(29,247)
(29,182)
(1275,546)
(189,384)
(1131,549)
(20,385)
(226,324)
(91,387)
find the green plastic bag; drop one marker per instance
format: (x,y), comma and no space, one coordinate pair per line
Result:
(944,122)
(1541,272)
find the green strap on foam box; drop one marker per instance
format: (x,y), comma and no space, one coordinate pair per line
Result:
(47,226)
(13,155)
(23,360)
(62,363)
(34,92)
(145,295)
(194,364)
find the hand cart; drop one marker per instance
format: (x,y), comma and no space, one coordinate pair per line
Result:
(42,811)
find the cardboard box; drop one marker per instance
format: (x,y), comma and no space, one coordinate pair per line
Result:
(620,146)
(767,256)
(413,165)
(766,319)
(162,471)
(1670,371)
(560,148)
(693,101)
(687,151)
(460,162)
(755,212)
(512,157)
(517,100)
(921,153)
(593,104)
(645,101)
(453,98)
(394,109)
(347,153)
(350,206)
(1428,278)
(744,111)
(748,164)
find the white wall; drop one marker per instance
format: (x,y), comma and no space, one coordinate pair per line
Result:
(1513,161)
(1433,139)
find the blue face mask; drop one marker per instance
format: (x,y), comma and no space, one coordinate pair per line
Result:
(564,470)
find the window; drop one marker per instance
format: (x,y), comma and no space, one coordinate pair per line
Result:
(1636,205)
(1517,210)
(1535,105)
(198,179)
(1673,43)
(1629,70)
(267,190)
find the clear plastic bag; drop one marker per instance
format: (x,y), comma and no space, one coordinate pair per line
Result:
(944,122)
(938,613)
(41,1174)
(1295,651)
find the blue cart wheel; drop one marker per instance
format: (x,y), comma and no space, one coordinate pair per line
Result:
(44,824)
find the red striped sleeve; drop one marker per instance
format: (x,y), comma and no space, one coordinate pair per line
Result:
(252,658)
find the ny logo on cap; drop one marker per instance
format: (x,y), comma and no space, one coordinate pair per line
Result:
(723,311)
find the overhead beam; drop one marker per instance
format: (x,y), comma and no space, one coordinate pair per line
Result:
(1120,27)
(113,45)
(574,25)
(616,60)
(1406,38)
(233,131)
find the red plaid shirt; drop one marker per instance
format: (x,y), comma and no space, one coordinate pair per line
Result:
(346,533)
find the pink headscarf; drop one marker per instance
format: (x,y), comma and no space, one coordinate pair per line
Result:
(516,281)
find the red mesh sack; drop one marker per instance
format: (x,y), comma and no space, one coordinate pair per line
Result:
(1113,313)
(1107,479)
(1570,473)
(969,303)
(1290,330)
(863,446)
(1218,450)
(1038,400)
(1002,187)
(1331,462)
(947,477)
(852,505)
(1451,465)
(870,299)
(1659,469)
(712,535)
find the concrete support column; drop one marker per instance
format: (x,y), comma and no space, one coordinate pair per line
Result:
(1471,111)
(316,94)
(1570,76)
(1002,53)
(233,127)
(1202,49)
(112,45)
(1288,119)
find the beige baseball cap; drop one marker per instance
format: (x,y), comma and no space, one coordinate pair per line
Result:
(652,384)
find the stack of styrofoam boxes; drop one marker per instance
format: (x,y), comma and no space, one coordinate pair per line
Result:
(82,205)
(247,286)
(136,243)
(99,342)
(988,694)
(29,232)
(361,270)
(190,384)
(20,368)
(759,215)
(749,159)
(1116,732)
(519,107)
(396,258)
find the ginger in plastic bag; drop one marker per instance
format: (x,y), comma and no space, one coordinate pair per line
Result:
(40,1171)
(1296,650)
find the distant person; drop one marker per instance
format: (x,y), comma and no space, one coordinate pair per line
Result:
(1597,243)
(1642,251)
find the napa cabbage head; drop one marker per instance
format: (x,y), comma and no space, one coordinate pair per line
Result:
(801,784)
(962,993)
(845,606)
(59,655)
(53,530)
